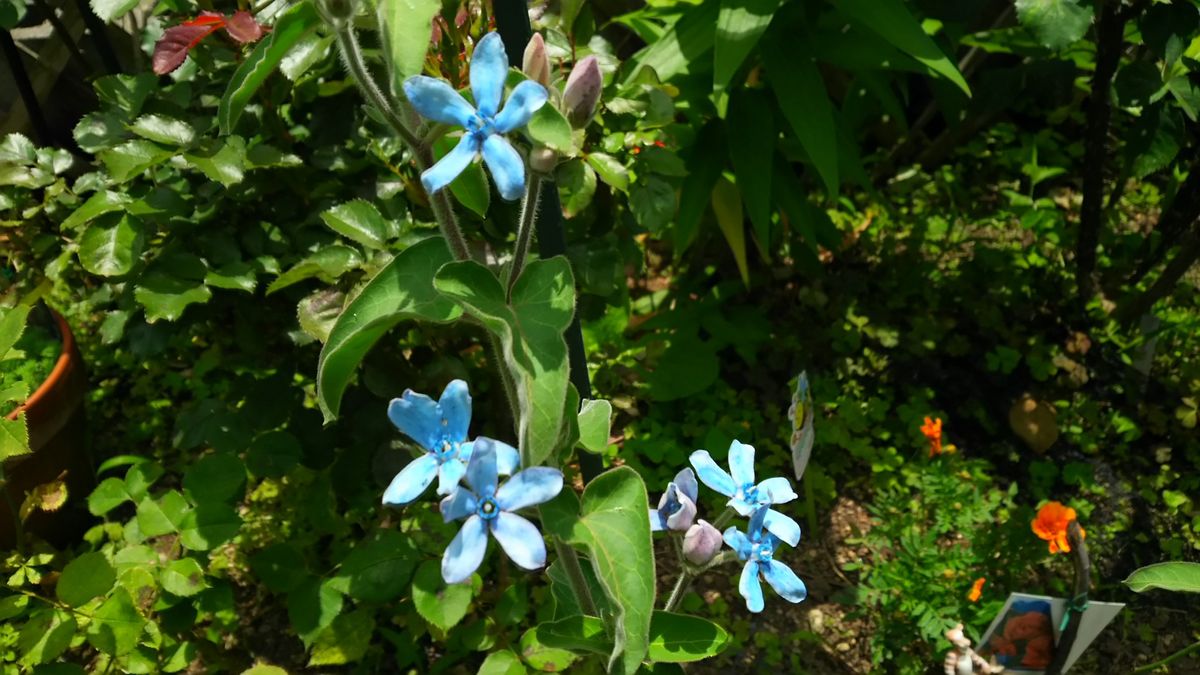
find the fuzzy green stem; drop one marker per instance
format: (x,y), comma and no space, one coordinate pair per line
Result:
(506,378)
(529,208)
(723,519)
(570,562)
(443,211)
(1195,646)
(677,593)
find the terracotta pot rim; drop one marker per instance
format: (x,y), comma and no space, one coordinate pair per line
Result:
(60,366)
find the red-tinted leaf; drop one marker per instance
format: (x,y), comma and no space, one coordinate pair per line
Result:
(172,48)
(243,28)
(207,19)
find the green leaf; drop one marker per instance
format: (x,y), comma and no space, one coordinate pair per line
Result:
(165,130)
(183,577)
(112,245)
(14,437)
(221,159)
(577,633)
(47,635)
(346,640)
(595,418)
(401,290)
(531,336)
(470,187)
(131,158)
(264,669)
(208,526)
(171,285)
(679,638)
(576,186)
(329,261)
(104,201)
(752,147)
(407,27)
(111,10)
(152,519)
(727,207)
(18,149)
(797,85)
(273,454)
(235,276)
(117,625)
(614,529)
(680,50)
(1056,23)
(652,201)
(12,326)
(216,478)
(740,23)
(280,567)
(11,13)
(892,21)
(309,51)
(127,93)
(292,26)
(86,577)
(312,607)
(549,127)
(1182,577)
(13,606)
(543,657)
(503,662)
(360,221)
(441,604)
(108,495)
(379,569)
(610,170)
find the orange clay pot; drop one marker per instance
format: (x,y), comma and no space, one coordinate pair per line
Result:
(54,414)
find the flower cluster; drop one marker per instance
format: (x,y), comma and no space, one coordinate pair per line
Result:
(932,430)
(486,506)
(766,530)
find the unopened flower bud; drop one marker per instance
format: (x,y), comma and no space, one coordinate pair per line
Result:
(536,65)
(543,159)
(582,92)
(337,12)
(701,543)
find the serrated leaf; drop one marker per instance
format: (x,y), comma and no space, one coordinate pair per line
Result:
(329,261)
(503,662)
(360,221)
(111,10)
(1056,23)
(86,577)
(131,158)
(379,569)
(215,478)
(163,129)
(112,245)
(116,626)
(346,640)
(183,577)
(208,526)
(104,201)
(312,607)
(46,635)
(401,290)
(12,326)
(108,495)
(222,160)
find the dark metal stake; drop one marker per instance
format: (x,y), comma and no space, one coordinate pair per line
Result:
(512,22)
(28,96)
(1077,605)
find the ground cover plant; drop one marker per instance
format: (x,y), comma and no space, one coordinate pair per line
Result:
(699,336)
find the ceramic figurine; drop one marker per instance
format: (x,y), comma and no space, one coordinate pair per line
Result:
(962,660)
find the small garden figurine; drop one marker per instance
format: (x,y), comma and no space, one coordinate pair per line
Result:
(962,660)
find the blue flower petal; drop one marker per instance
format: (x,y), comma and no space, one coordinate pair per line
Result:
(532,486)
(757,520)
(489,68)
(779,490)
(465,553)
(411,481)
(506,165)
(417,416)
(450,473)
(458,505)
(437,100)
(464,451)
(456,409)
(741,463)
(712,475)
(743,507)
(508,460)
(784,581)
(683,518)
(524,100)
(447,168)
(739,542)
(520,539)
(751,588)
(783,527)
(686,482)
(481,470)
(657,522)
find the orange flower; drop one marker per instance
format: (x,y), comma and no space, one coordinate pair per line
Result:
(1051,524)
(976,590)
(933,431)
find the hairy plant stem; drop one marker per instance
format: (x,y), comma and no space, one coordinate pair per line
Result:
(1177,655)
(677,593)
(443,211)
(570,563)
(723,519)
(529,210)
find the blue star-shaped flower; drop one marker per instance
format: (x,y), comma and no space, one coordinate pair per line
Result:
(677,508)
(757,550)
(441,429)
(744,496)
(490,508)
(484,122)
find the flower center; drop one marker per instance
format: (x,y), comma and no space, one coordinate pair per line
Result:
(762,551)
(481,126)
(446,451)
(488,508)
(747,493)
